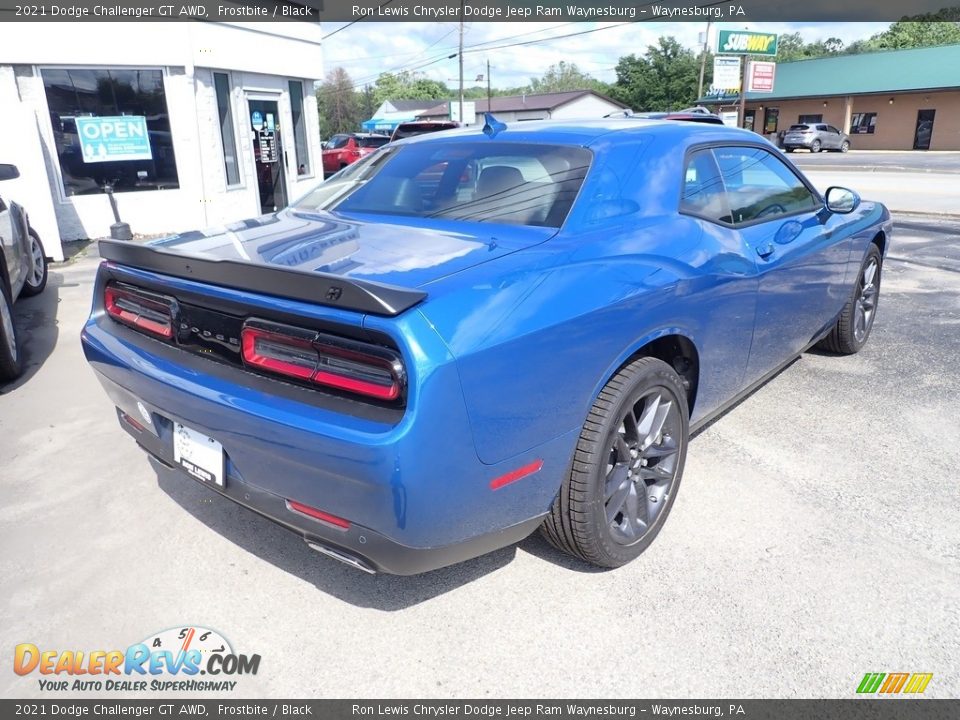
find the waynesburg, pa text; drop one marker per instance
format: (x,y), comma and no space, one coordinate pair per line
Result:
(510,12)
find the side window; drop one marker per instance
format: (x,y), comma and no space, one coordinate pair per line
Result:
(760,186)
(832,129)
(703,194)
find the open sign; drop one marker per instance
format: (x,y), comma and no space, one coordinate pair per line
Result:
(107,139)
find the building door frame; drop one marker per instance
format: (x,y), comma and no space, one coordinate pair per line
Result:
(271,182)
(923,135)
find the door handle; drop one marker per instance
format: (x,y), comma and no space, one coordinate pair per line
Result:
(765,251)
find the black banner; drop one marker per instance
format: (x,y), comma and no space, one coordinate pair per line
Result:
(885,709)
(474,10)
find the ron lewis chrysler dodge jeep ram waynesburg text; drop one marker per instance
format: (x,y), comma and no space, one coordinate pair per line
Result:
(469,335)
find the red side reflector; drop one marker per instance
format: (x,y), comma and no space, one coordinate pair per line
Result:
(318,515)
(518,474)
(131,422)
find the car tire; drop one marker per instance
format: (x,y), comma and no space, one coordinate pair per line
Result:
(626,467)
(10,358)
(37,278)
(789,150)
(815,146)
(844,146)
(853,326)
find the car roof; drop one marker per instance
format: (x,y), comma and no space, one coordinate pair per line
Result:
(586,132)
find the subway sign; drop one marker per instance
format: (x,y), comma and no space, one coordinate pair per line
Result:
(738,42)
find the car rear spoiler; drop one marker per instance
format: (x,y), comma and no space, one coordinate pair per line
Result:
(313,287)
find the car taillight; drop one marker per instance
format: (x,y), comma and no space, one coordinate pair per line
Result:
(321,359)
(153,314)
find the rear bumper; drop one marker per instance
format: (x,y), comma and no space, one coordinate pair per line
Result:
(358,546)
(414,491)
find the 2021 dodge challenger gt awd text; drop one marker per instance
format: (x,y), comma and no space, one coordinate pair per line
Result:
(469,335)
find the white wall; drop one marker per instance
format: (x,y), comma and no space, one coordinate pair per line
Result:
(259,57)
(288,48)
(20,146)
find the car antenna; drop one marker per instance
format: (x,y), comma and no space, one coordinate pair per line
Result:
(492,126)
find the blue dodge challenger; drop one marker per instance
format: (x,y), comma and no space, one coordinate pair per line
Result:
(470,335)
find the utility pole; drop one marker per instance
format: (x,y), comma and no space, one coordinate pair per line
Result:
(742,115)
(703,59)
(488,87)
(460,55)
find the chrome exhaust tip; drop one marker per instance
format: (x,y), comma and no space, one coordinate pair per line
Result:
(342,557)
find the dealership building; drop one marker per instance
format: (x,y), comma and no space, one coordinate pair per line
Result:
(191,124)
(890,100)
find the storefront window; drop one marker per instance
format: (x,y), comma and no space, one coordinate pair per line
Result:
(227,136)
(299,127)
(863,123)
(111,127)
(809,119)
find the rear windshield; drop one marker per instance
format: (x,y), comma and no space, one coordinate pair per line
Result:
(337,141)
(799,127)
(373,141)
(405,131)
(494,182)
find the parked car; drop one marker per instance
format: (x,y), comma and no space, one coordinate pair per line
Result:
(815,137)
(687,115)
(23,272)
(410,376)
(421,127)
(346,148)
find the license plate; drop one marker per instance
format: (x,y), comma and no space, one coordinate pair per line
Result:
(199,455)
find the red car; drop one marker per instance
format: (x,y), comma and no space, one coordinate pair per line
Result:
(344,149)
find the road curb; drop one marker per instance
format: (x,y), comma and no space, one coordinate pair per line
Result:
(926,213)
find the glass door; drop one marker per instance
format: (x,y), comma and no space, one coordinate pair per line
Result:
(924,131)
(268,154)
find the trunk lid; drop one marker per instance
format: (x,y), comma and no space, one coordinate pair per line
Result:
(390,251)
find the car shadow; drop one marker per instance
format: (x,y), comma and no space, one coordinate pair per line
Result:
(35,319)
(288,552)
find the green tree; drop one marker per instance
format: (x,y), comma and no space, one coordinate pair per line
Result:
(338,105)
(407,85)
(938,28)
(564,76)
(664,78)
(366,102)
(791,46)
(917,34)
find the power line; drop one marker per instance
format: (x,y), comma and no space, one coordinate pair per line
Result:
(353,22)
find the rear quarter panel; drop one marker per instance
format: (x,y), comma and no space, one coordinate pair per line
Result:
(538,333)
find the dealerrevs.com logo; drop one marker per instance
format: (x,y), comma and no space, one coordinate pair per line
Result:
(167,661)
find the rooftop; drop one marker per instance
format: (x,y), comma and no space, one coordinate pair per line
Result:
(519,103)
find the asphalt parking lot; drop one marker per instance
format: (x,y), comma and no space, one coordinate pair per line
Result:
(815,538)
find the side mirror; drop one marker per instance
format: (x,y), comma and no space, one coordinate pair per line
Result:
(8,172)
(842,201)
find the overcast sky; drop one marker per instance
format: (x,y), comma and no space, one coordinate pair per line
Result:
(367,49)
